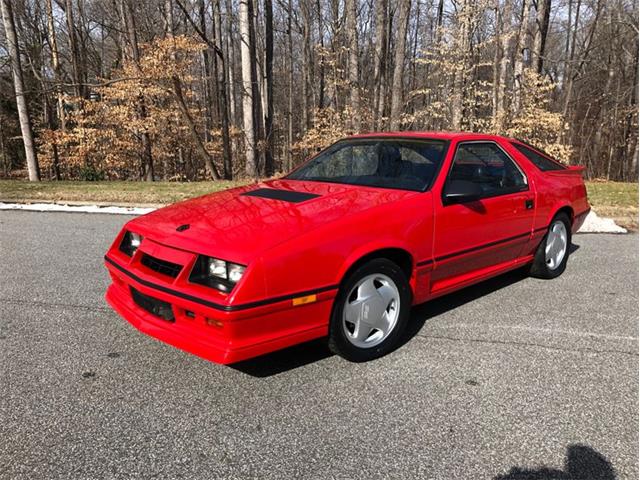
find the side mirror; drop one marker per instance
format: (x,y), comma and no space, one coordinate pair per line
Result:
(461,191)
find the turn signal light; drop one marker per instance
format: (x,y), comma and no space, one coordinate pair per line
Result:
(304,300)
(213,323)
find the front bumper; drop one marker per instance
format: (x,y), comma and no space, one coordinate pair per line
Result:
(216,332)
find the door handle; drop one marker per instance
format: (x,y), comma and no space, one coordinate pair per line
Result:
(528,204)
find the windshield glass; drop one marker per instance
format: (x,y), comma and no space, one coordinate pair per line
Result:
(388,163)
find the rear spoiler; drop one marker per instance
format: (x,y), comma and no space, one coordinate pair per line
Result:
(570,170)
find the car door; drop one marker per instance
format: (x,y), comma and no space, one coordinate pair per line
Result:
(477,235)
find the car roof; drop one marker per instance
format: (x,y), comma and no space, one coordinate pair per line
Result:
(433,135)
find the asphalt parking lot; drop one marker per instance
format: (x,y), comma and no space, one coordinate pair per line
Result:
(514,379)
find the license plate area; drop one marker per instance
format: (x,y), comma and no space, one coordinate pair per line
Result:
(155,307)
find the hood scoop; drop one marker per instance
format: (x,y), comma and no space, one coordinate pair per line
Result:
(284,195)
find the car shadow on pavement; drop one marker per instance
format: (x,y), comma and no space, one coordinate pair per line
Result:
(433,308)
(581,463)
(284,360)
(426,311)
(316,350)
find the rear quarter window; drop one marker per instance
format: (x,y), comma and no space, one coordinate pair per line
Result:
(543,163)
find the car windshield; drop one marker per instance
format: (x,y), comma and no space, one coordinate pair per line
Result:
(387,163)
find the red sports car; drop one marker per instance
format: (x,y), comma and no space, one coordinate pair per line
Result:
(344,245)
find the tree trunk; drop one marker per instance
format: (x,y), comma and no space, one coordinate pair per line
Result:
(220,67)
(307,63)
(439,22)
(398,65)
(353,70)
(500,118)
(290,99)
(459,78)
(320,61)
(182,105)
(209,86)
(78,87)
(518,69)
(542,28)
(55,63)
(379,62)
(574,72)
(497,56)
(3,149)
(168,12)
(247,86)
(231,57)
(130,27)
(268,67)
(18,85)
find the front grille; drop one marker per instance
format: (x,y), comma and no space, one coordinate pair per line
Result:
(152,305)
(161,266)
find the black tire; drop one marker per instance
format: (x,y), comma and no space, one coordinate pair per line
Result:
(539,267)
(338,341)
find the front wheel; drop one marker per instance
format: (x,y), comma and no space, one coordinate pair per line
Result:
(370,312)
(553,252)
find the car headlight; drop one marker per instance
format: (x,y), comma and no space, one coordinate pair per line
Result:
(216,273)
(130,243)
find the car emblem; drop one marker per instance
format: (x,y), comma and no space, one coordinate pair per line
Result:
(182,228)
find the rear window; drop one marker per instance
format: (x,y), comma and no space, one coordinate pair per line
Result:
(543,163)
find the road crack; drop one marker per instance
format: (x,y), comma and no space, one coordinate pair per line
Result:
(12,301)
(527,344)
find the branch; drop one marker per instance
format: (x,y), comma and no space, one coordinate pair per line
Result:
(200,33)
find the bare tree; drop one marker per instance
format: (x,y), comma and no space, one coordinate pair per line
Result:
(500,119)
(398,67)
(306,72)
(128,20)
(353,70)
(248,86)
(543,8)
(380,63)
(268,67)
(518,69)
(18,85)
(464,45)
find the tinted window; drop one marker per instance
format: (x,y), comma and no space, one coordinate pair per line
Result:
(543,163)
(486,165)
(402,164)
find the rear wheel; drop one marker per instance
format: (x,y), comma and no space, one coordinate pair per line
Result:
(370,312)
(553,252)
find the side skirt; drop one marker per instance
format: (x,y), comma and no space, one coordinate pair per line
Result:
(449,285)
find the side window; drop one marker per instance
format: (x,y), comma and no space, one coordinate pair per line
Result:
(486,165)
(543,163)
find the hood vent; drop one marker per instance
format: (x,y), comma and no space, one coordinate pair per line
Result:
(284,195)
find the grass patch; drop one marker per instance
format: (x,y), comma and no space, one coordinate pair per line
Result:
(115,192)
(616,200)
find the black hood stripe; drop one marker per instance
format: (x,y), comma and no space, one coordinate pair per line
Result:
(284,195)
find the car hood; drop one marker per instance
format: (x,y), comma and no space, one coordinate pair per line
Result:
(237,227)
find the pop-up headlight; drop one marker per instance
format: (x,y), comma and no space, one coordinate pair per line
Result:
(130,243)
(216,273)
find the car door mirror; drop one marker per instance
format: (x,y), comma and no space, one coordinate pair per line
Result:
(461,191)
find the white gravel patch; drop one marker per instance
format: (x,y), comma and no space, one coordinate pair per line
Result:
(595,224)
(57,207)
(592,224)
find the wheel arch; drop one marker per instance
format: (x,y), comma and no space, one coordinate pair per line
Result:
(400,256)
(566,209)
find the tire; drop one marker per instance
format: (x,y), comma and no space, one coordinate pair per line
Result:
(551,265)
(370,312)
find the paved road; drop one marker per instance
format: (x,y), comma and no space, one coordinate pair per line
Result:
(514,379)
